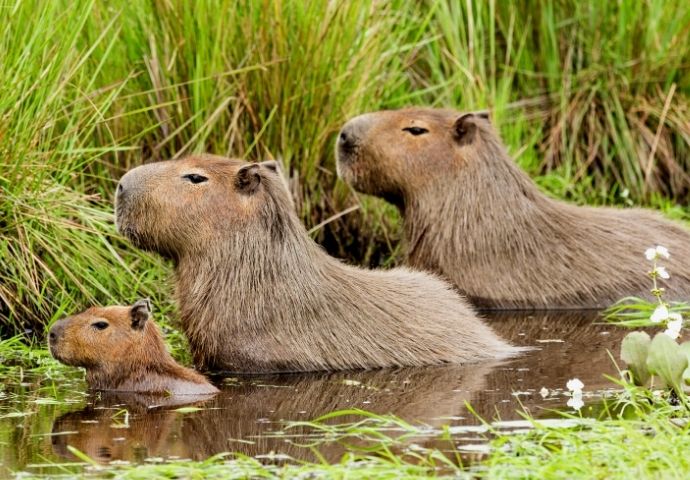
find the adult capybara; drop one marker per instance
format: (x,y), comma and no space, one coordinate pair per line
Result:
(122,350)
(256,294)
(473,216)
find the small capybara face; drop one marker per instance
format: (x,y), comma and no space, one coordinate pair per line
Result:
(175,206)
(381,153)
(100,335)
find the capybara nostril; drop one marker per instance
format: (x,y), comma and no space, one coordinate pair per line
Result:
(346,141)
(120,188)
(55,332)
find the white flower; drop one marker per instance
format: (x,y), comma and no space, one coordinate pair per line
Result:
(656,252)
(576,401)
(544,392)
(575,385)
(660,314)
(661,272)
(673,327)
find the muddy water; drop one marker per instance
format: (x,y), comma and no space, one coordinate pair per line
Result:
(245,415)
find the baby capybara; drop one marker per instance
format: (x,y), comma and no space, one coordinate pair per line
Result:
(257,294)
(123,350)
(473,216)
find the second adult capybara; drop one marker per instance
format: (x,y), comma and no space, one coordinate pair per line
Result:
(256,294)
(473,216)
(122,350)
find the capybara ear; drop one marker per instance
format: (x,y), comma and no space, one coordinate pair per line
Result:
(272,165)
(484,115)
(140,313)
(465,128)
(248,178)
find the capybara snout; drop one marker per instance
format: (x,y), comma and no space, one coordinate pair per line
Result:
(351,135)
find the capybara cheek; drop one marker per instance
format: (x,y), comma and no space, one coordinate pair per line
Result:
(55,351)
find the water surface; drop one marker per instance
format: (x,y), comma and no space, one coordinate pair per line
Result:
(36,429)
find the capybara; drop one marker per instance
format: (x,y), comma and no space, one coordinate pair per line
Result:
(473,216)
(123,350)
(257,294)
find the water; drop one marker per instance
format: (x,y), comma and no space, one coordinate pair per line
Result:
(36,429)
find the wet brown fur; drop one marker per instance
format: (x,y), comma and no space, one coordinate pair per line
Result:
(125,356)
(256,294)
(473,216)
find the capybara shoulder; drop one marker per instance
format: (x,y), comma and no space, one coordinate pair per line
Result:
(473,216)
(257,294)
(123,350)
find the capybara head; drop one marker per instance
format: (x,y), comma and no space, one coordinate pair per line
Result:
(102,335)
(177,206)
(382,153)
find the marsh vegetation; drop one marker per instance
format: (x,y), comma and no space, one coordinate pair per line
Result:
(592,99)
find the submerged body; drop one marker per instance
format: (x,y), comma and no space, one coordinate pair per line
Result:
(257,294)
(471,215)
(123,351)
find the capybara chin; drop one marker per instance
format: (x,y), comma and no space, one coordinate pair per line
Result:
(473,216)
(122,350)
(257,294)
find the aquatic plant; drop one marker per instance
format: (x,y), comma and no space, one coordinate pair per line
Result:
(635,312)
(575,387)
(661,357)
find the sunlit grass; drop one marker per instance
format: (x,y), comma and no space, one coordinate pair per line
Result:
(636,312)
(591,99)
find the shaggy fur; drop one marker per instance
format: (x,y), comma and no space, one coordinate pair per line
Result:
(474,217)
(256,294)
(126,354)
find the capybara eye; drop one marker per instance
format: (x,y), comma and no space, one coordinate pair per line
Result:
(100,325)
(416,130)
(195,178)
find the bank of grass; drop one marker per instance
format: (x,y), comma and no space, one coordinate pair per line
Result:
(591,98)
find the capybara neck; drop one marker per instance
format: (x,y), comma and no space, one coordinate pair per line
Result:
(473,216)
(487,189)
(518,248)
(257,295)
(122,351)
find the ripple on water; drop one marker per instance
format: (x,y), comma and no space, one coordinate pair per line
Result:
(246,416)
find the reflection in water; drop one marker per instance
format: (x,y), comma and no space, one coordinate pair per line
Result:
(567,345)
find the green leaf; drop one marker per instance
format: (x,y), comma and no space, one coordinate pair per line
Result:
(188,409)
(667,360)
(634,352)
(685,348)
